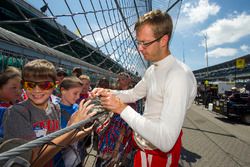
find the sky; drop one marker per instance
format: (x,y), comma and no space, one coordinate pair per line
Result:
(225,24)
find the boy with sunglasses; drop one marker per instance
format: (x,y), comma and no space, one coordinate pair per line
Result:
(38,116)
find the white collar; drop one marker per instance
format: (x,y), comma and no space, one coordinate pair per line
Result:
(165,62)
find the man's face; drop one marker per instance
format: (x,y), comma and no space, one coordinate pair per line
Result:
(152,51)
(39,91)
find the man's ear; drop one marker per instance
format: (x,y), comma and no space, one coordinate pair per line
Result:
(164,40)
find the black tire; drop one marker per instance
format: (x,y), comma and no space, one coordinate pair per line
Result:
(246,118)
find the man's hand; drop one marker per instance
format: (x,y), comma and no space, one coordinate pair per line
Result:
(112,102)
(98,92)
(108,100)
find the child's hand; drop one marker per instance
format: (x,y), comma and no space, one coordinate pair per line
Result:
(82,112)
(84,132)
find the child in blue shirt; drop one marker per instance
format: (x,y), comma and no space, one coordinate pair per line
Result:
(70,87)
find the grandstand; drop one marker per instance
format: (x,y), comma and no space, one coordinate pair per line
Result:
(227,71)
(15,44)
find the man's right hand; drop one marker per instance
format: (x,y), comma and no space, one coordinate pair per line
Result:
(98,92)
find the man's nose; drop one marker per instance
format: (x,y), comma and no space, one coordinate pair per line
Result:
(140,47)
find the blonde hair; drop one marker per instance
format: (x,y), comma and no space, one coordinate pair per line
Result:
(161,23)
(84,77)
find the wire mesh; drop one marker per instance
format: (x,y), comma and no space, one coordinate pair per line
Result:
(99,32)
(93,31)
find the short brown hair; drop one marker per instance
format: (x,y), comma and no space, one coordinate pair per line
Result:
(103,83)
(161,23)
(61,72)
(39,69)
(71,82)
(124,74)
(77,70)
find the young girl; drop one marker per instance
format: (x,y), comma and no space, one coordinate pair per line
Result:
(10,91)
(70,87)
